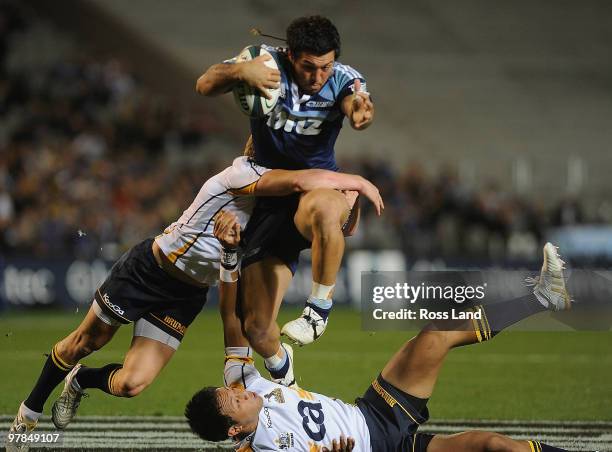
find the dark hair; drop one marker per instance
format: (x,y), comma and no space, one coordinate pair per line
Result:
(205,419)
(313,34)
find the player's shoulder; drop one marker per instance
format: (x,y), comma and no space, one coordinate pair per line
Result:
(344,73)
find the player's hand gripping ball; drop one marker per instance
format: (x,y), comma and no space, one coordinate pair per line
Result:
(257,95)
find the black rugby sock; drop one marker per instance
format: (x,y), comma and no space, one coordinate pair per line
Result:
(53,372)
(497,317)
(537,446)
(100,378)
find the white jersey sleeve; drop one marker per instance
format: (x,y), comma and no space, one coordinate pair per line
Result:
(189,242)
(240,372)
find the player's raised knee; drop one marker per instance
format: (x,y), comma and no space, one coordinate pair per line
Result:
(323,206)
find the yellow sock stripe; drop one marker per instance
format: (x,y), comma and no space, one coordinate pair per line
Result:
(481,323)
(486,320)
(59,362)
(531,445)
(242,359)
(477,330)
(390,399)
(539,446)
(110,380)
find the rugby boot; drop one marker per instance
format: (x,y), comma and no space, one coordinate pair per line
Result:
(21,425)
(65,407)
(305,329)
(289,378)
(549,286)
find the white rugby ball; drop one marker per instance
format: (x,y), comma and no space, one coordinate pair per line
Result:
(249,99)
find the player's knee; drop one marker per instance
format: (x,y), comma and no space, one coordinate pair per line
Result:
(326,214)
(494,442)
(436,340)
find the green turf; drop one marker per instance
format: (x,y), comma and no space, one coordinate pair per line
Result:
(524,375)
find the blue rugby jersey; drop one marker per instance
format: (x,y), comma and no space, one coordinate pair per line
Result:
(302,129)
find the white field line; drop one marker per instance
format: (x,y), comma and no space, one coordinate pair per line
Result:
(171,432)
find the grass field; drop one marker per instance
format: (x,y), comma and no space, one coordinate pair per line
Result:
(518,375)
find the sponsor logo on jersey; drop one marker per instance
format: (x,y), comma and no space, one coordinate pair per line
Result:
(114,307)
(315,104)
(276,396)
(266,412)
(285,441)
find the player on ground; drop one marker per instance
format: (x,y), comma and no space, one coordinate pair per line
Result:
(316,94)
(160,285)
(261,415)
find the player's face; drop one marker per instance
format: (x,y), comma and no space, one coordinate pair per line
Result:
(240,405)
(312,71)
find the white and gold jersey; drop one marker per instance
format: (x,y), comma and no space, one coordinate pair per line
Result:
(295,419)
(189,242)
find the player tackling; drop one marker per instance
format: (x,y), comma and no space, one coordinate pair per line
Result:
(160,286)
(261,415)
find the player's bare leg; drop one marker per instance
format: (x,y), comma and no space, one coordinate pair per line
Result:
(89,336)
(482,441)
(143,362)
(415,367)
(319,218)
(262,287)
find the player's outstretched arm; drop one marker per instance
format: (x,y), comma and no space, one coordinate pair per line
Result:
(284,182)
(221,78)
(227,231)
(239,369)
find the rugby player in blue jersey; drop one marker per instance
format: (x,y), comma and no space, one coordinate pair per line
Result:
(316,94)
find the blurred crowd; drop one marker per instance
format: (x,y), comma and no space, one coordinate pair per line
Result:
(83,148)
(439,215)
(84,172)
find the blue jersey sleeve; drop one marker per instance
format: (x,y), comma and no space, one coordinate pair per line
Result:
(344,79)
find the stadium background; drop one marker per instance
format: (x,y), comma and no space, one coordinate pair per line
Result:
(493,134)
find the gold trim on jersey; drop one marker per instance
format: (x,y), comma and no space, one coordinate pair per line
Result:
(174,255)
(303,394)
(242,359)
(247,190)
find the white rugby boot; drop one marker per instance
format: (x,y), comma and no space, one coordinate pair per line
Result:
(65,407)
(289,378)
(305,329)
(21,425)
(549,287)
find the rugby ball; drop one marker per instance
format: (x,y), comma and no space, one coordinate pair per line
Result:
(249,99)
